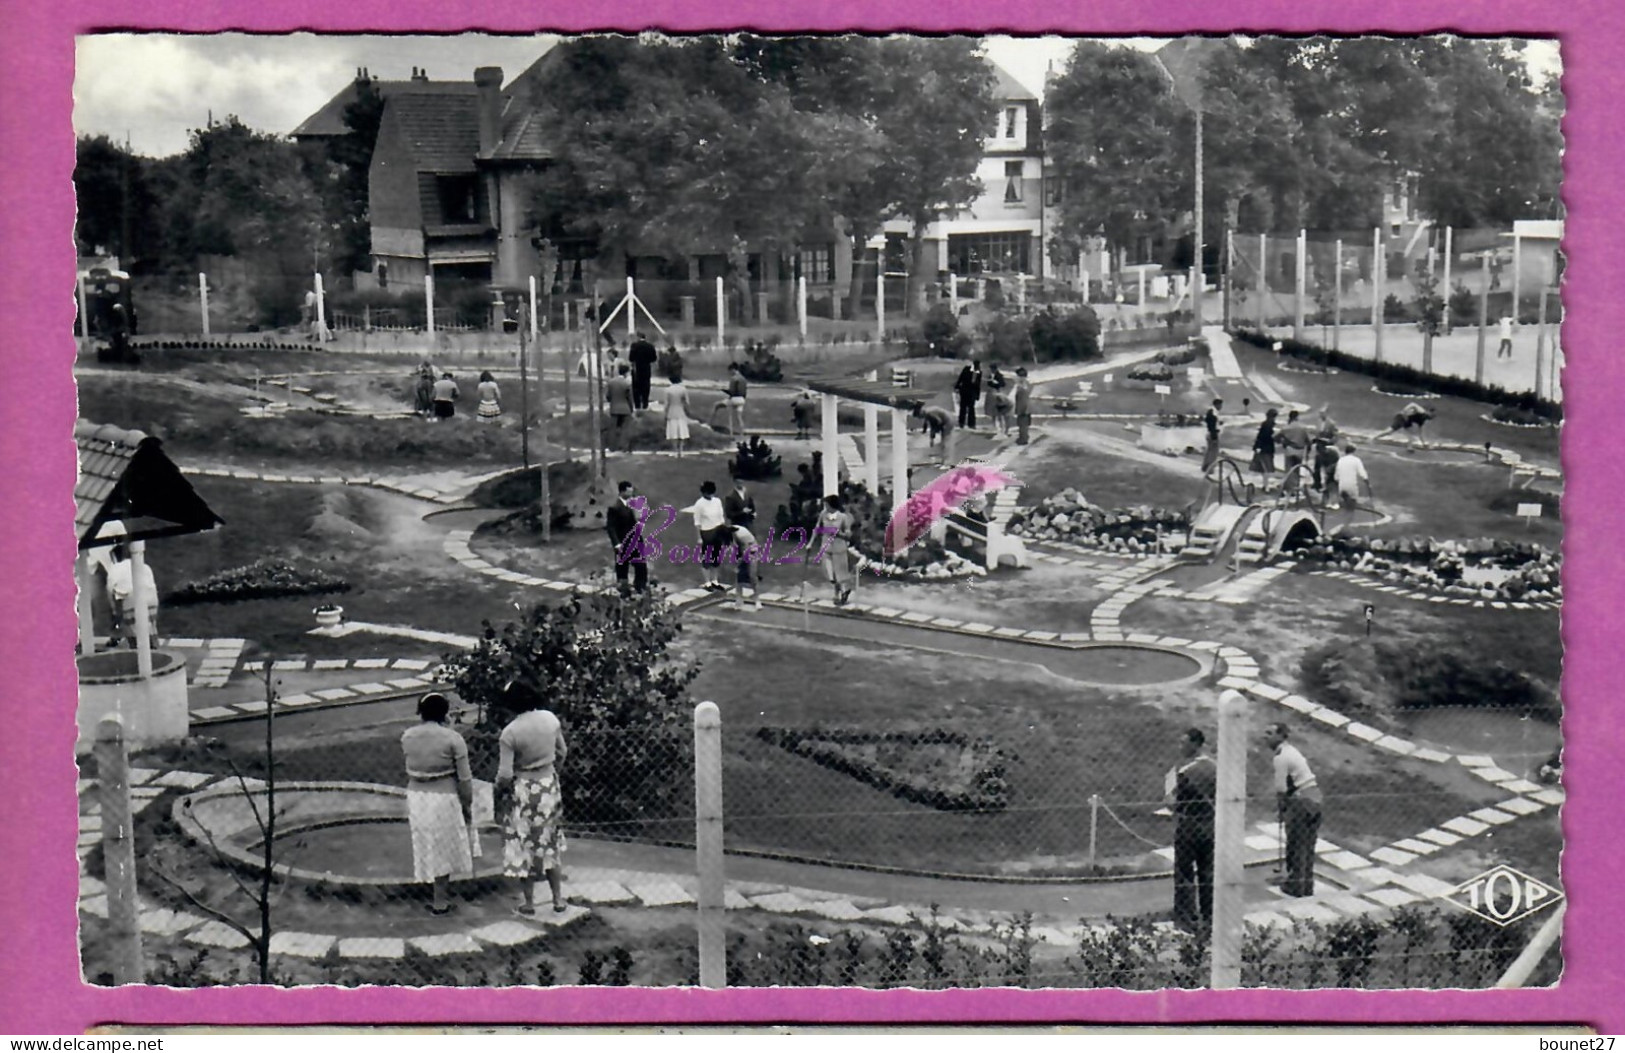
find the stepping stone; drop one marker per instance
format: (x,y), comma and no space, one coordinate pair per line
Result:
(90,823)
(295,701)
(1347,903)
(95,906)
(893,915)
(1299,703)
(213,713)
(1075,637)
(370,689)
(893,612)
(780,903)
(372,947)
(1520,806)
(162,922)
(89,886)
(1329,716)
(250,707)
(330,663)
(1008,632)
(1370,877)
(512,933)
(1346,860)
(947,623)
(1309,910)
(1172,641)
(659,892)
(1522,786)
(835,910)
(1363,732)
(1415,847)
(1232,682)
(142,775)
(1494,774)
(1399,746)
(601,892)
(1477,761)
(1431,755)
(445,944)
(734,900)
(1552,797)
(1037,635)
(140,792)
(1165,853)
(1146,638)
(1465,826)
(1439,837)
(289,665)
(1393,856)
(1393,897)
(216,934)
(407,683)
(333,694)
(1269,691)
(302,944)
(1491,816)
(1424,885)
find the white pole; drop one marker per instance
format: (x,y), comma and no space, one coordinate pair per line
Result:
(899,456)
(84,316)
(1300,280)
(1377,267)
(532,283)
(1518,972)
(428,299)
(1517,272)
(1263,282)
(722,312)
(708,844)
(871,442)
(138,597)
(203,299)
(631,310)
(1142,290)
(880,297)
(1229,832)
(801,304)
(85,572)
(832,445)
(953,292)
(1448,233)
(1337,295)
(321,308)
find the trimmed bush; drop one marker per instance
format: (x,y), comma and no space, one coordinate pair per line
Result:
(261,580)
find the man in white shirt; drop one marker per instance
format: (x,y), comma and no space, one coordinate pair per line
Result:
(1297,803)
(1351,476)
(711,523)
(1505,350)
(121,594)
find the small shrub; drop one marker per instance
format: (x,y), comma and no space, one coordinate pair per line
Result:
(1151,372)
(755,460)
(262,579)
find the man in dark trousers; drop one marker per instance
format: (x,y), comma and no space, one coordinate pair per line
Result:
(1190,791)
(618,394)
(1210,420)
(1297,802)
(621,521)
(1023,405)
(969,389)
(643,356)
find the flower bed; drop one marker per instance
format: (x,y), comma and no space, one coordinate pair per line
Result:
(941,769)
(1518,417)
(1401,391)
(925,560)
(260,580)
(224,345)
(1481,568)
(1150,373)
(1069,517)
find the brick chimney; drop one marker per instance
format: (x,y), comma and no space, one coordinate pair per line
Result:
(419,74)
(488,81)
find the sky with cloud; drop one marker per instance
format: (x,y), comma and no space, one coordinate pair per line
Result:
(155,87)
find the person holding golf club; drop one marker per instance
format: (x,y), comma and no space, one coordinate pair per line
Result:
(1191,788)
(1297,804)
(1351,475)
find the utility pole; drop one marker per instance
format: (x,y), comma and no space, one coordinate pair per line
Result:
(524,387)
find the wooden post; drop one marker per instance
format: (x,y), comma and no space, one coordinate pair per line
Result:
(871,442)
(118,851)
(708,844)
(531,281)
(1337,294)
(1229,833)
(86,575)
(139,597)
(832,445)
(722,313)
(899,456)
(1263,284)
(428,299)
(84,314)
(1379,279)
(1300,278)
(880,298)
(801,305)
(1449,233)
(1094,823)
(203,299)
(321,309)
(1483,316)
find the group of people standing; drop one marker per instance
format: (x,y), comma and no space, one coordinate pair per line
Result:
(527,800)
(1000,396)
(1322,454)
(1191,790)
(435,399)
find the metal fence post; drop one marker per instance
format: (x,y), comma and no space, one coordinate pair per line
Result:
(1379,281)
(1300,277)
(118,851)
(1337,294)
(871,441)
(203,299)
(1229,830)
(1449,238)
(801,305)
(708,843)
(428,300)
(1263,285)
(722,313)
(1483,315)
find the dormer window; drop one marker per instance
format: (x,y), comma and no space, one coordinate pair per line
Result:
(459,198)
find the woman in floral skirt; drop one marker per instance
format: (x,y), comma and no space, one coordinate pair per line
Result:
(530,750)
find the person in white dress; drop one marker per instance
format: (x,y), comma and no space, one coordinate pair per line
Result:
(677,411)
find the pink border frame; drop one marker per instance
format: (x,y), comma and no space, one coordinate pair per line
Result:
(39,987)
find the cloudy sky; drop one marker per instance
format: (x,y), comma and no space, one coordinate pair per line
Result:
(155,87)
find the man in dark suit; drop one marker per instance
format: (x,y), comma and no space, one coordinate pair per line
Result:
(621,521)
(739,506)
(969,389)
(643,356)
(1191,789)
(618,393)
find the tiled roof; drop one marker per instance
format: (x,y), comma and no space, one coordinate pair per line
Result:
(329,120)
(442,132)
(124,475)
(521,136)
(875,392)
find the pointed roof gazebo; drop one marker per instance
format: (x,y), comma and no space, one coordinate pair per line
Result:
(128,490)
